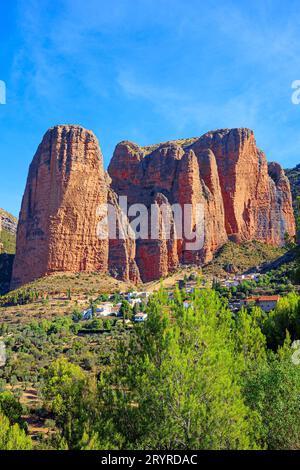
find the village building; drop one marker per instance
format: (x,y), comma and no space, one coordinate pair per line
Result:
(140,317)
(133,302)
(105,309)
(265,302)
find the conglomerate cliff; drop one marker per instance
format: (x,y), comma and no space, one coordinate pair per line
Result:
(223,172)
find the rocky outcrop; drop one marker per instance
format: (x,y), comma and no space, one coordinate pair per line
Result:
(223,172)
(257,205)
(242,197)
(8,222)
(294,179)
(293,175)
(281,213)
(57,229)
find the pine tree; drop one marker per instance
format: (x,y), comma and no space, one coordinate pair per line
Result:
(178,383)
(12,437)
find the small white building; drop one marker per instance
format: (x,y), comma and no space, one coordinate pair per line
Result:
(132,295)
(133,302)
(105,309)
(231,283)
(140,317)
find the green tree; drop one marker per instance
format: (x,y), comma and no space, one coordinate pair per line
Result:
(11,408)
(125,310)
(272,389)
(285,317)
(249,338)
(136,309)
(12,437)
(69,294)
(178,383)
(64,389)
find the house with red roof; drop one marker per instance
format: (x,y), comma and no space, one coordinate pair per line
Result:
(265,302)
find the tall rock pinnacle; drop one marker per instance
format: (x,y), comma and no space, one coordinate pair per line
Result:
(57,224)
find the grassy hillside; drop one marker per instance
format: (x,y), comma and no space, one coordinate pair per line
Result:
(242,257)
(78,283)
(6,259)
(59,295)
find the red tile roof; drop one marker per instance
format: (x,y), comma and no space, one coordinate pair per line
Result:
(264,298)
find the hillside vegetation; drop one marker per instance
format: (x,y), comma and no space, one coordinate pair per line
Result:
(240,258)
(8,229)
(9,242)
(188,378)
(79,283)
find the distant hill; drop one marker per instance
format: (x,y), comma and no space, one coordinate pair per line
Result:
(80,284)
(240,258)
(8,221)
(8,230)
(294,177)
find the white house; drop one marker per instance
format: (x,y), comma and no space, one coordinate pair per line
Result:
(265,302)
(132,295)
(133,302)
(105,309)
(140,317)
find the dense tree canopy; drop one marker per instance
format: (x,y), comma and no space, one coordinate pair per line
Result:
(193,376)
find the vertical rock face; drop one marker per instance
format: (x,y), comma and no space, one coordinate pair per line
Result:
(281,216)
(257,198)
(57,224)
(122,249)
(223,172)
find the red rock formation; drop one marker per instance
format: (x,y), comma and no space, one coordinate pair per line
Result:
(122,249)
(57,224)
(257,205)
(281,212)
(223,172)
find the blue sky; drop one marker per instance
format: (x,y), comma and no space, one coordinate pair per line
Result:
(147,71)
